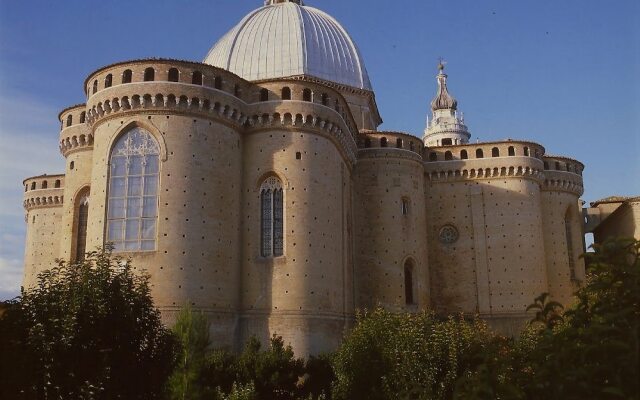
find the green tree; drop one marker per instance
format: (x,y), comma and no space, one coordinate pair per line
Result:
(94,333)
(16,358)
(187,381)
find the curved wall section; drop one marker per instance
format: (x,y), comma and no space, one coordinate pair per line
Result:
(305,294)
(391,230)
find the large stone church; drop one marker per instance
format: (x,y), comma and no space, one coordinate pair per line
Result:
(256,186)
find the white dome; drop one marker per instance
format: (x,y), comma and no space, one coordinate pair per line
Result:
(288,39)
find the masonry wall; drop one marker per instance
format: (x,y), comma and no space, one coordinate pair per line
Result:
(388,239)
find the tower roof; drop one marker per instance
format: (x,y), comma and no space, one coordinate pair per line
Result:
(286,38)
(443,99)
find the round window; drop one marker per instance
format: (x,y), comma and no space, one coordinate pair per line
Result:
(448,234)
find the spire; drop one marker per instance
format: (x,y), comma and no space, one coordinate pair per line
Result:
(443,99)
(272,2)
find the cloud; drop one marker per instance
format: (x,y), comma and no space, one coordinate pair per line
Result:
(28,147)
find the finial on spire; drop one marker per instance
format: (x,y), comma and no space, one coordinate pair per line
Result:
(441,64)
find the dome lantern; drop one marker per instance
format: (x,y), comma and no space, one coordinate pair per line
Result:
(273,2)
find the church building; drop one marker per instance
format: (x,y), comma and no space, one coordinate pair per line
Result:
(256,187)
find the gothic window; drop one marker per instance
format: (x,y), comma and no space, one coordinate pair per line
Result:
(127,76)
(464,155)
(108,81)
(196,79)
(174,75)
(149,74)
(286,93)
(133,192)
(569,235)
(408,283)
(82,212)
(272,204)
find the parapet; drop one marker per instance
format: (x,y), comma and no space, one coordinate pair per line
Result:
(563,174)
(43,191)
(389,140)
(74,133)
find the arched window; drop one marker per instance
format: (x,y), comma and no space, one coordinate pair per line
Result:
(174,75)
(196,78)
(412,147)
(82,217)
(495,152)
(286,93)
(405,206)
(569,236)
(512,151)
(558,168)
(433,156)
(464,155)
(217,82)
(367,143)
(272,207)
(479,153)
(108,81)
(26,188)
(325,99)
(399,143)
(306,95)
(149,74)
(57,184)
(83,117)
(70,120)
(72,165)
(408,283)
(526,151)
(44,185)
(383,142)
(447,142)
(448,156)
(133,192)
(264,95)
(33,186)
(127,76)
(95,86)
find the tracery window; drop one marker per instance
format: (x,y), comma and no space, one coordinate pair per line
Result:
(133,192)
(272,204)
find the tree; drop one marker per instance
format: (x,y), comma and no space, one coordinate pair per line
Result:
(94,333)
(187,380)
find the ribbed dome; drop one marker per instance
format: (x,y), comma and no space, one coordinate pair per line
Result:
(287,39)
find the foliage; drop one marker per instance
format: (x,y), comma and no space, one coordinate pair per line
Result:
(408,356)
(93,333)
(187,381)
(16,359)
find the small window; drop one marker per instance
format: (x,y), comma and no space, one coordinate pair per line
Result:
(149,74)
(405,206)
(26,188)
(448,156)
(236,90)
(264,95)
(83,117)
(44,184)
(408,283)
(558,166)
(57,184)
(433,156)
(512,151)
(298,156)
(217,83)
(325,99)
(108,81)
(479,153)
(546,165)
(383,142)
(306,95)
(495,152)
(174,75)
(367,143)
(447,142)
(412,147)
(399,143)
(127,76)
(463,155)
(196,78)
(33,186)
(286,93)
(95,86)
(72,165)
(70,120)
(526,151)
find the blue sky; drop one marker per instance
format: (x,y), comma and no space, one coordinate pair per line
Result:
(562,73)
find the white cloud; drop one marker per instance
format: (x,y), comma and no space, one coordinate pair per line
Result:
(28,147)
